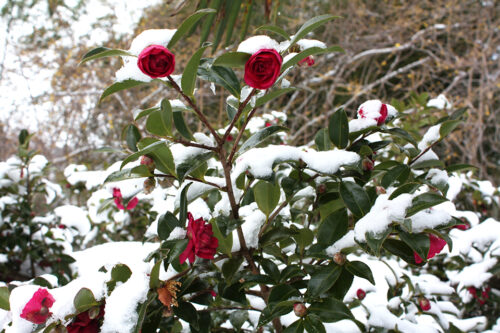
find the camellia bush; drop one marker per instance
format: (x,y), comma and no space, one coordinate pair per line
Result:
(247,233)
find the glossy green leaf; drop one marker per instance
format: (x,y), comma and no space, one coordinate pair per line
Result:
(222,76)
(419,243)
(183,205)
(267,196)
(166,223)
(447,127)
(119,86)
(191,163)
(460,167)
(274,310)
(271,270)
(282,292)
(304,238)
(138,114)
(399,173)
(333,227)
(260,136)
(132,136)
(188,23)
(208,23)
(119,273)
(338,129)
(310,25)
(313,324)
(187,312)
(230,267)
(181,127)
(102,52)
(188,80)
(309,52)
(84,300)
(424,201)
(296,327)
(323,279)
(233,11)
(355,198)
(360,269)
(375,241)
(401,133)
(4,298)
(400,249)
(275,29)
(330,310)
(225,242)
(154,276)
(139,171)
(405,188)
(322,140)
(232,59)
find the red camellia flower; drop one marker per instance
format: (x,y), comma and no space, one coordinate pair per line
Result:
(361,294)
(117,196)
(263,68)
(84,324)
(156,61)
(424,303)
(381,113)
(309,61)
(37,308)
(201,243)
(437,244)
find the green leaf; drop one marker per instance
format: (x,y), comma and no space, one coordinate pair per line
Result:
(405,188)
(401,133)
(322,140)
(143,309)
(138,114)
(231,20)
(355,198)
(188,23)
(139,171)
(4,298)
(323,279)
(282,292)
(166,223)
(400,249)
(84,300)
(183,205)
(275,29)
(154,276)
(175,248)
(119,86)
(274,310)
(428,164)
(267,196)
(424,201)
(188,80)
(102,52)
(309,52)
(330,310)
(181,127)
(399,173)
(447,127)
(191,163)
(296,327)
(232,59)
(132,136)
(304,238)
(120,273)
(333,227)
(271,270)
(156,149)
(313,324)
(208,23)
(187,312)
(310,25)
(360,269)
(460,167)
(230,267)
(290,272)
(222,76)
(225,242)
(375,241)
(338,129)
(260,136)
(419,243)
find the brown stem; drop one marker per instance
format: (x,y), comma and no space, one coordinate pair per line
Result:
(241,107)
(181,274)
(195,108)
(240,134)
(192,179)
(423,152)
(191,144)
(272,217)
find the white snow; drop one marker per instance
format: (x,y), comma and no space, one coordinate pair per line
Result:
(440,102)
(256,43)
(305,44)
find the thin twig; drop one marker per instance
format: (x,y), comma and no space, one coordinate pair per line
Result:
(193,179)
(240,134)
(241,107)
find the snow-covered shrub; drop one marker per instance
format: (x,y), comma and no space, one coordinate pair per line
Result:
(350,233)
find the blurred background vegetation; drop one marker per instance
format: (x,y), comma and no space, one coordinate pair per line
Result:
(402,52)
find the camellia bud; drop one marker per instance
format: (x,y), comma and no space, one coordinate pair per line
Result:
(149,185)
(148,161)
(424,303)
(361,294)
(299,309)
(367,164)
(339,258)
(321,188)
(380,190)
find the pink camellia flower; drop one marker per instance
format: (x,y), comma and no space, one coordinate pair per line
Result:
(84,324)
(437,244)
(424,303)
(201,243)
(37,308)
(309,61)
(263,68)
(376,110)
(299,309)
(117,196)
(360,293)
(156,61)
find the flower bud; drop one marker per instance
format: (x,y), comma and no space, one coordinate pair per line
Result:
(424,303)
(321,188)
(149,185)
(339,258)
(299,309)
(380,190)
(148,161)
(166,182)
(360,293)
(367,164)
